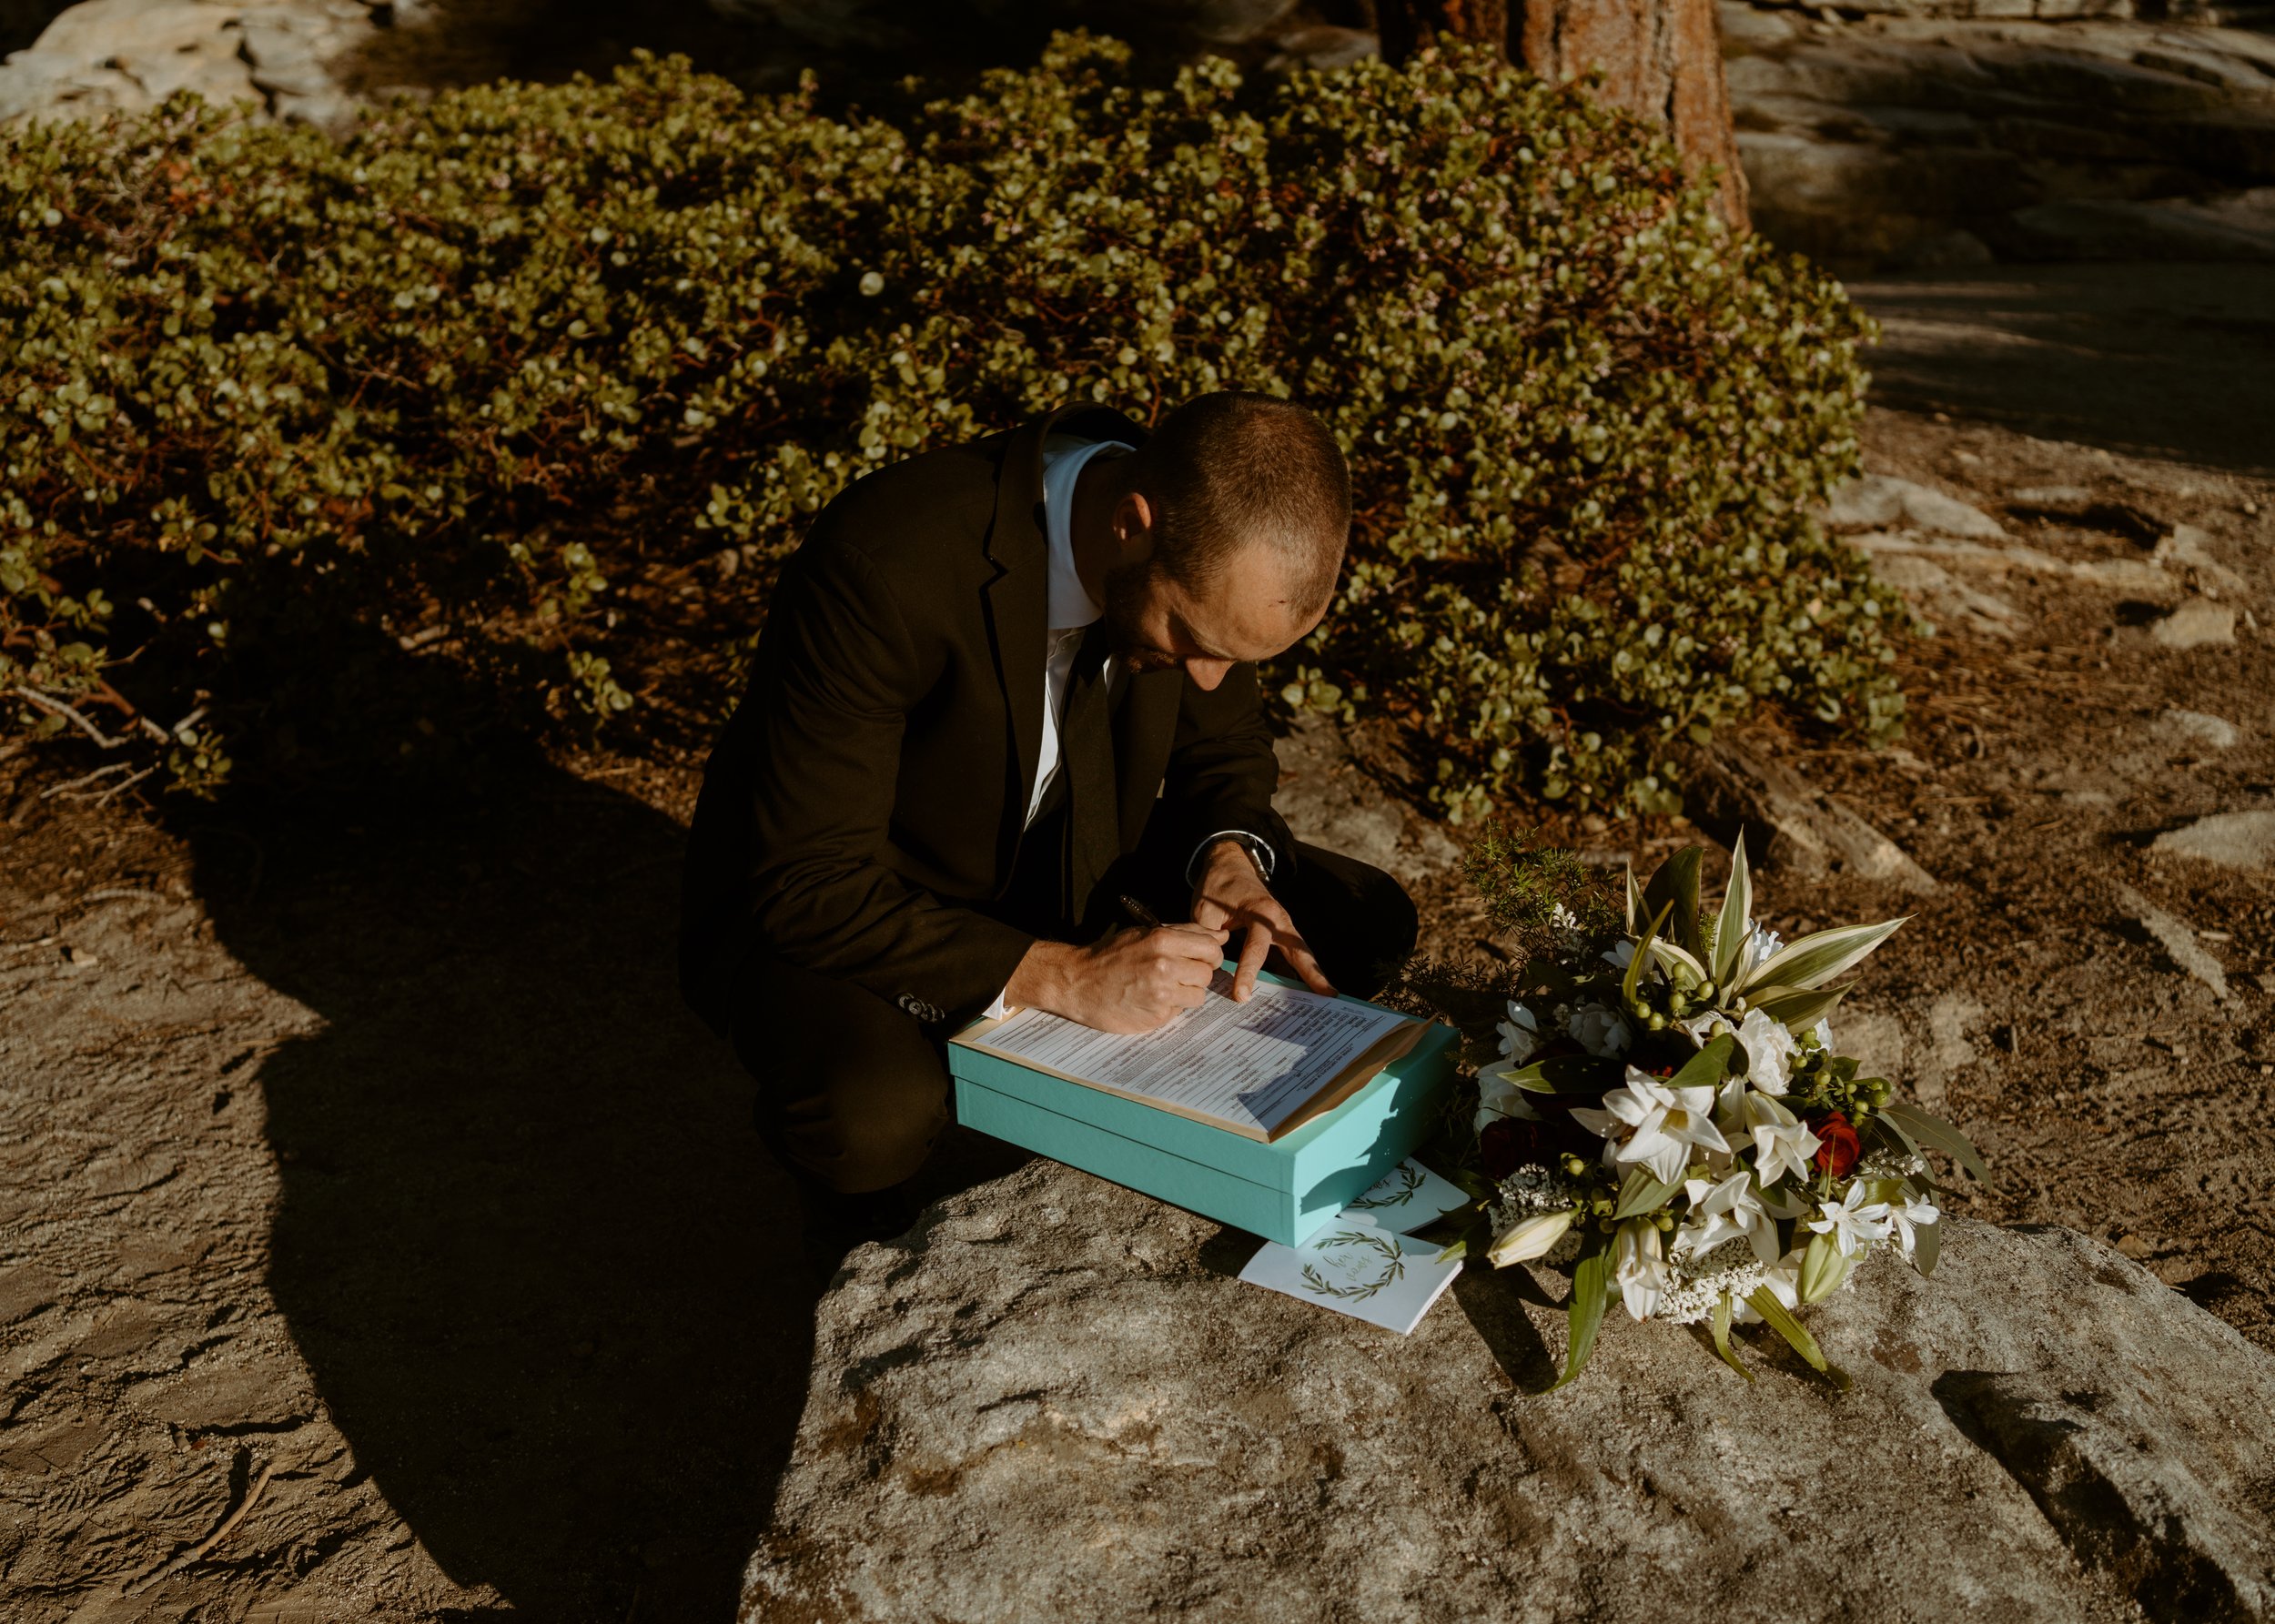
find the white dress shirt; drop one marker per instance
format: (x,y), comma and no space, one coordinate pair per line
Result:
(1072,612)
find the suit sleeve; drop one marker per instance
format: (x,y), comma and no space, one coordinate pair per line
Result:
(1222,771)
(837,675)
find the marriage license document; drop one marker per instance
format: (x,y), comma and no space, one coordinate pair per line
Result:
(1260,1068)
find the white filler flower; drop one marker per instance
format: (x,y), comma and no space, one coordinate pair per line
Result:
(1851,1222)
(1653,1126)
(1498,1097)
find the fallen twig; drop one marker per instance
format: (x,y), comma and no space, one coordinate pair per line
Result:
(55,790)
(228,1523)
(55,707)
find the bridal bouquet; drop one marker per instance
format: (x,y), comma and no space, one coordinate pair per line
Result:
(1668,1113)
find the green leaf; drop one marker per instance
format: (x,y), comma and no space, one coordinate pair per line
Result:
(1675,888)
(1636,911)
(1818,958)
(1721,1325)
(1765,1303)
(1569,1073)
(1591,1284)
(1737,910)
(1707,1067)
(1633,978)
(1642,1192)
(1927,1246)
(1794,1008)
(1927,1129)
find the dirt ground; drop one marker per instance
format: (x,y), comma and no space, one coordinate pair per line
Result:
(359,1162)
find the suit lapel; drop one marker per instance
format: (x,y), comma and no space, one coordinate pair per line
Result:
(1019,598)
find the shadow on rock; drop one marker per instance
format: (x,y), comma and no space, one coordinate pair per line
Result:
(547,1282)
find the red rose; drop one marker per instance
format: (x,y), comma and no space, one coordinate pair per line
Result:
(1503,1146)
(1837,1145)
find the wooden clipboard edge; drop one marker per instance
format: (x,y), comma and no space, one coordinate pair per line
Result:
(1396,1044)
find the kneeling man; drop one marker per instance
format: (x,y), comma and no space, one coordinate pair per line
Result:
(1001,687)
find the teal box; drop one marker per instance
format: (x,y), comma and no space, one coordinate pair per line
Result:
(1284,1190)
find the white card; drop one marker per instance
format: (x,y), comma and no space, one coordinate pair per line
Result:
(1407,1197)
(1357,1266)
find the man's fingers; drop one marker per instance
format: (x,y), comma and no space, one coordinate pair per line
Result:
(1199,942)
(1252,952)
(1297,953)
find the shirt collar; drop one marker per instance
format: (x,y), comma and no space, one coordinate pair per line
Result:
(1064,459)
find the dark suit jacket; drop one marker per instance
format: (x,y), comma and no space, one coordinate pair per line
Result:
(865,804)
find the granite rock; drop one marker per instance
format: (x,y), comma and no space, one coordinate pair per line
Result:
(1051,1400)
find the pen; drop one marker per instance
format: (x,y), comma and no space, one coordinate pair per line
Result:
(1138,912)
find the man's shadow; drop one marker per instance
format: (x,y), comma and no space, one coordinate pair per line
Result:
(549,1286)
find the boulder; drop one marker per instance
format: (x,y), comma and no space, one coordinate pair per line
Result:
(1873,500)
(1790,825)
(1051,1399)
(2198,623)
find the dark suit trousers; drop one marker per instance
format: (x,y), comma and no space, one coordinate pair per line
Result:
(855,1092)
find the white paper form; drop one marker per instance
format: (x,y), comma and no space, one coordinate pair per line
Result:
(1249,1065)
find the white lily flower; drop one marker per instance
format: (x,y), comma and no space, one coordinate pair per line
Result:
(1599,1029)
(1529,1238)
(1638,1268)
(1783,1143)
(1648,1123)
(1851,1221)
(1498,1097)
(1769,1052)
(1730,1209)
(1619,954)
(1519,1034)
(1908,1215)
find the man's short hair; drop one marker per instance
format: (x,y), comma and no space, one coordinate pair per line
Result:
(1236,468)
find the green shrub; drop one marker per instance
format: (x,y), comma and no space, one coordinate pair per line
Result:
(505,410)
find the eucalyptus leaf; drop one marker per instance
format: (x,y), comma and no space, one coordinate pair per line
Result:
(1930,1130)
(1927,1246)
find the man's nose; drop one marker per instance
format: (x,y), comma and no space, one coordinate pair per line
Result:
(1207,673)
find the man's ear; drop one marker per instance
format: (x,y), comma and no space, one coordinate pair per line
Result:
(1133,527)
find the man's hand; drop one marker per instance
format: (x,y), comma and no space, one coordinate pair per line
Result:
(1232,896)
(1132,981)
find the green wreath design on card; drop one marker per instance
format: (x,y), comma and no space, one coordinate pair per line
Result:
(1393,1268)
(1410,1182)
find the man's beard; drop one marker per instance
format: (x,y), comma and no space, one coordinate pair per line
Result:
(1125,589)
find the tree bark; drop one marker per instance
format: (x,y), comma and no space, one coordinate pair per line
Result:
(1662,61)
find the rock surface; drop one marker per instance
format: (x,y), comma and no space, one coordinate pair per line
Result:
(2238,839)
(106,56)
(1051,1400)
(1954,132)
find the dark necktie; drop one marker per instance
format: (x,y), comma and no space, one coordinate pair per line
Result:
(1085,744)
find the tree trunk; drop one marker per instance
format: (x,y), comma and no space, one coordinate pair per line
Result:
(1662,60)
